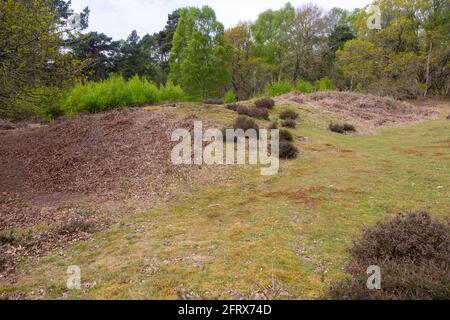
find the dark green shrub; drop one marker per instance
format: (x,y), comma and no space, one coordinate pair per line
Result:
(288,150)
(413,253)
(213,101)
(289,114)
(265,103)
(289,123)
(335,127)
(349,128)
(286,135)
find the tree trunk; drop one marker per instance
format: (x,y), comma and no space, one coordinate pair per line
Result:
(427,81)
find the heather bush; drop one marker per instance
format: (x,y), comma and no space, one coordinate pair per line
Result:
(413,253)
(245,123)
(273,125)
(233,107)
(289,114)
(288,150)
(258,113)
(74,226)
(267,103)
(213,101)
(341,128)
(349,127)
(242,110)
(286,135)
(289,123)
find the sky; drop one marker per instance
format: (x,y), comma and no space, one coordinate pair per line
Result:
(117,18)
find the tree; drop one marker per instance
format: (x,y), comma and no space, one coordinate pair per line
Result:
(134,57)
(98,51)
(200,58)
(309,30)
(292,41)
(247,76)
(412,49)
(272,35)
(31,39)
(161,43)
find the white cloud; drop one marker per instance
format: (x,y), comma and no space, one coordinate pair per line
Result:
(117,18)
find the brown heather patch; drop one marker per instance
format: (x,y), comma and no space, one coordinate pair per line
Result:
(369,110)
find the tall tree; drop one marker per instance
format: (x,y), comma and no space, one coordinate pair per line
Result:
(271,32)
(98,51)
(247,73)
(31,55)
(200,58)
(134,58)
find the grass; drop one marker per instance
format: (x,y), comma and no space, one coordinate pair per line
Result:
(231,239)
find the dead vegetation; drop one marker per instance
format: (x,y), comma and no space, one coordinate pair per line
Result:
(369,110)
(103,161)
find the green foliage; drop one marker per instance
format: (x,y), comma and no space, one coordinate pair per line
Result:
(31,36)
(200,58)
(245,66)
(399,60)
(278,88)
(116,92)
(304,86)
(229,97)
(171,93)
(324,84)
(44,103)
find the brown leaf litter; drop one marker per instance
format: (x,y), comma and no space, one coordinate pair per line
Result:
(64,181)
